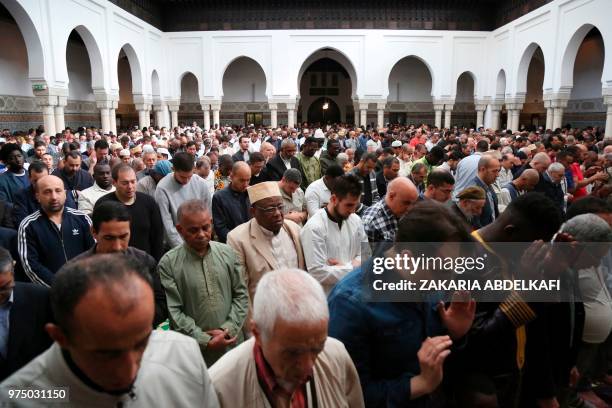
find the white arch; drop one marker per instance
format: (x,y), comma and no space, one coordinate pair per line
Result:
(571,51)
(94,54)
(135,68)
(422,60)
(523,68)
(471,75)
(155,87)
(248,59)
(37,67)
(337,56)
(500,87)
(180,84)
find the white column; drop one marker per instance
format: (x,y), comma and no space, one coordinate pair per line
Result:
(438,108)
(559,106)
(173,106)
(60,125)
(516,119)
(549,114)
(216,108)
(290,115)
(448,108)
(49,119)
(494,118)
(380,114)
(608,102)
(206,114)
(480,109)
(142,115)
(159,114)
(46,103)
(514,115)
(557,118)
(105,106)
(105,119)
(113,117)
(363,115)
(273,115)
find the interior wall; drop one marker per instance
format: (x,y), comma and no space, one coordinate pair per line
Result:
(533,112)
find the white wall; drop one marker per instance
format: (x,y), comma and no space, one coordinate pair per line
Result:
(13,62)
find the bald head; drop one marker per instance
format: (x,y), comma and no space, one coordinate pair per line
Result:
(527,180)
(50,194)
(240,176)
(401,196)
(540,162)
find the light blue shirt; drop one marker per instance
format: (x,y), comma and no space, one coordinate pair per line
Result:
(5,311)
(467,169)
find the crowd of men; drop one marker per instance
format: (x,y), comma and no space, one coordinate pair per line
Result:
(226,267)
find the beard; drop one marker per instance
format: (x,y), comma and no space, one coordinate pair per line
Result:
(338,214)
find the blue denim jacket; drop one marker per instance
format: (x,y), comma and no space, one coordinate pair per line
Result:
(383,339)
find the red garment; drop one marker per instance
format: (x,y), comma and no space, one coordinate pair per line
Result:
(271,388)
(577,172)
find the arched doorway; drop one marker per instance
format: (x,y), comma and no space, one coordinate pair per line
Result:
(585,107)
(244,94)
(324,110)
(500,122)
(409,99)
(15,87)
(81,109)
(464,111)
(190,109)
(326,74)
(533,113)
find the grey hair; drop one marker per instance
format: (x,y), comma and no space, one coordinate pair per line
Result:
(555,167)
(341,158)
(588,228)
(291,295)
(203,161)
(287,142)
(190,206)
(541,158)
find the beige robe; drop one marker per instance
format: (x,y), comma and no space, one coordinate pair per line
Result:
(254,251)
(234,378)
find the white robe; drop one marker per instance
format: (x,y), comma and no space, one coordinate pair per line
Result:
(322,239)
(172,374)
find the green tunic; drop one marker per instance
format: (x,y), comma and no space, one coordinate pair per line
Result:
(311,168)
(204,293)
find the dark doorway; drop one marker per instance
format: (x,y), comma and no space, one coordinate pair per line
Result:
(317,113)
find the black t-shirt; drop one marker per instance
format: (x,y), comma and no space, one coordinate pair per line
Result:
(146,228)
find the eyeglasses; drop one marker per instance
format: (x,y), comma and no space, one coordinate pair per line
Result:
(272,209)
